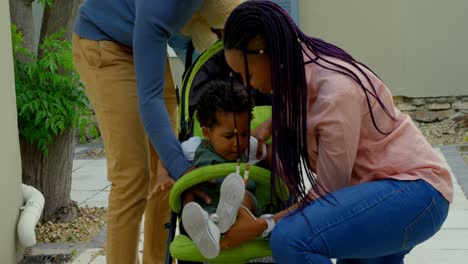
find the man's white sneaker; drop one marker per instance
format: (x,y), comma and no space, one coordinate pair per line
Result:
(201,229)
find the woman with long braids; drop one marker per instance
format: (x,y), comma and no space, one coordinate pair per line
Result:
(378,188)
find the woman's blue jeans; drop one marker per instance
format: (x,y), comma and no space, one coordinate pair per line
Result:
(375,222)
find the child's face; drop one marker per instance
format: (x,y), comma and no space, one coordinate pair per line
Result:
(222,137)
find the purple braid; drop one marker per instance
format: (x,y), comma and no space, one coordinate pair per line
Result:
(283,40)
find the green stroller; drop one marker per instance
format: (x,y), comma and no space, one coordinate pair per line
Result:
(211,66)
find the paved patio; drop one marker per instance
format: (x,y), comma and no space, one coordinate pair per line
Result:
(449,246)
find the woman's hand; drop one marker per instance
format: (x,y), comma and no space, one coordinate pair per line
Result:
(262,132)
(246,228)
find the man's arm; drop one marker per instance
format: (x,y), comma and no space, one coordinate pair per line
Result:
(155,22)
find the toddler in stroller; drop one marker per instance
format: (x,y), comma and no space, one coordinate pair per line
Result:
(269,196)
(224,112)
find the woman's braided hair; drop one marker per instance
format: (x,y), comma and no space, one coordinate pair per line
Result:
(285,44)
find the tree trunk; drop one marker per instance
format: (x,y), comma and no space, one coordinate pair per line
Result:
(51,175)
(61,15)
(21,16)
(54,173)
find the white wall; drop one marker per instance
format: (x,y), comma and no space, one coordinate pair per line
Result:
(10,163)
(418,47)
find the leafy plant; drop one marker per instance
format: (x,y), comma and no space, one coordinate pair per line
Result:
(49,96)
(45,3)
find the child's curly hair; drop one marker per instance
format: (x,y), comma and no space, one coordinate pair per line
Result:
(220,96)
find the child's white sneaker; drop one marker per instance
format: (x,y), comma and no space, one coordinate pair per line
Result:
(201,229)
(232,193)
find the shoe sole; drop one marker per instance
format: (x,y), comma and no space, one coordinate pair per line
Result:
(195,221)
(232,193)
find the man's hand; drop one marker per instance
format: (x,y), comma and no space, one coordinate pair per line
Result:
(163,180)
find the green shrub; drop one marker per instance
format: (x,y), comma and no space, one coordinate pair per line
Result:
(45,3)
(49,96)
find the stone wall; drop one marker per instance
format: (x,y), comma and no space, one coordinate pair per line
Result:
(433,109)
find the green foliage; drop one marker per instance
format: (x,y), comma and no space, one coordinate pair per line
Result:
(45,3)
(49,95)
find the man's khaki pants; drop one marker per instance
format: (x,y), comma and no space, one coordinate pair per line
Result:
(107,72)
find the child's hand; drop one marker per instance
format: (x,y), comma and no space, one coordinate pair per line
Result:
(194,193)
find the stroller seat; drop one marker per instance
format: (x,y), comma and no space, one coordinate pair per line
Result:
(183,248)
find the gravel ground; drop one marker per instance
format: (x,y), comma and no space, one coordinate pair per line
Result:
(81,229)
(97,153)
(446,132)
(443,133)
(465,158)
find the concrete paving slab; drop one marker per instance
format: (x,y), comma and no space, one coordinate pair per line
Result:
(142,224)
(77,164)
(92,177)
(101,204)
(37,251)
(100,199)
(459,206)
(80,148)
(436,256)
(87,256)
(99,260)
(81,196)
(457,165)
(460,202)
(457,191)
(448,239)
(457,219)
(140,244)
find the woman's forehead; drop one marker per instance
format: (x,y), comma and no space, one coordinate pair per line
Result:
(235,59)
(257,43)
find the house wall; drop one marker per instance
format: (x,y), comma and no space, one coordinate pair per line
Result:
(10,162)
(417,47)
